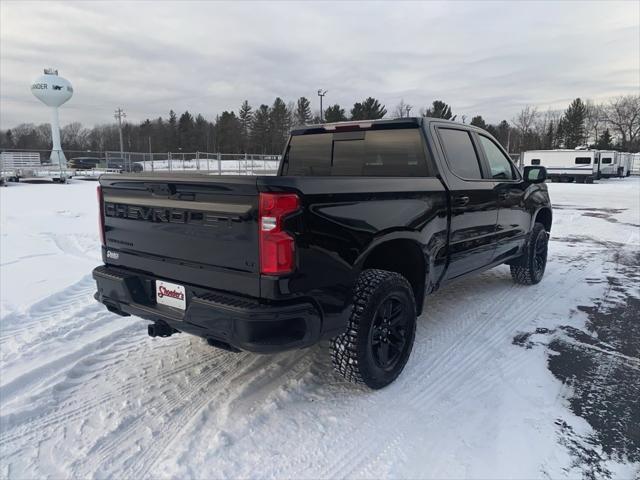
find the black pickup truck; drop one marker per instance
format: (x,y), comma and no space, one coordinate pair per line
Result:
(363,220)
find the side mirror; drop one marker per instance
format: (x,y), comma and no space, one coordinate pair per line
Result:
(535,174)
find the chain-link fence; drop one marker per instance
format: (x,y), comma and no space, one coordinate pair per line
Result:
(92,163)
(209,163)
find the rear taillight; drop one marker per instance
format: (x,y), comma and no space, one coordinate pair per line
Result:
(101,215)
(277,247)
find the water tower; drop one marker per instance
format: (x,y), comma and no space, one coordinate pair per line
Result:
(53,91)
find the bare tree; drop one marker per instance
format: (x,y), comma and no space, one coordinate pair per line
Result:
(623,114)
(524,123)
(402,109)
(74,136)
(526,119)
(595,122)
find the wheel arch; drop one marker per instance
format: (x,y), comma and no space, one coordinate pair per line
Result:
(404,256)
(544,216)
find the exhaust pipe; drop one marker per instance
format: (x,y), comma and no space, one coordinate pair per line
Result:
(160,330)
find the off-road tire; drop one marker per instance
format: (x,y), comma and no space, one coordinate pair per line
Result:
(525,271)
(352,352)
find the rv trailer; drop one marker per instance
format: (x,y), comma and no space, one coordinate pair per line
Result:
(608,163)
(635,164)
(624,168)
(565,165)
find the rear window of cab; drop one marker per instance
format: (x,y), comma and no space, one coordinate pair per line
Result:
(375,153)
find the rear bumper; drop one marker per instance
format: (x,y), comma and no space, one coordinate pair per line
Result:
(239,322)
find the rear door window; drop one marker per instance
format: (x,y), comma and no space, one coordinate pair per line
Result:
(460,153)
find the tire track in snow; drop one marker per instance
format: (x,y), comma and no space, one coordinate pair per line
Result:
(66,411)
(77,294)
(246,392)
(24,381)
(179,408)
(68,330)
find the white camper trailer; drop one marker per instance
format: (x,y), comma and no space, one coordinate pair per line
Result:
(624,167)
(608,162)
(635,163)
(565,165)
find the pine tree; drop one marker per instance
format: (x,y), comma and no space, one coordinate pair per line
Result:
(334,113)
(246,116)
(574,117)
(559,139)
(605,142)
(369,109)
(547,142)
(302,114)
(186,132)
(201,134)
(172,132)
(228,133)
(439,109)
(479,122)
(279,125)
(260,134)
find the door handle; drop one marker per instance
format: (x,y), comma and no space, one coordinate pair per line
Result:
(460,201)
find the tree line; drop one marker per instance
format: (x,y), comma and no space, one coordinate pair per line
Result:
(263,130)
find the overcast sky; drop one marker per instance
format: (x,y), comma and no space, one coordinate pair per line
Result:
(488,58)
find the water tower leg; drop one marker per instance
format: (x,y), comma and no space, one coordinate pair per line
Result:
(57,155)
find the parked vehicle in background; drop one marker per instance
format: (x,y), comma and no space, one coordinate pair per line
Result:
(565,165)
(363,220)
(84,163)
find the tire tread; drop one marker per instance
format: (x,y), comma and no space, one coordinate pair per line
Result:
(345,347)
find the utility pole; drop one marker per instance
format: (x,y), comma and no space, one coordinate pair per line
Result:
(119,115)
(321,93)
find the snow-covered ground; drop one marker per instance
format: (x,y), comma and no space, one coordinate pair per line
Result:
(504,381)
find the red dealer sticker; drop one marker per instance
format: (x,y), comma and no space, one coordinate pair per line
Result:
(171,295)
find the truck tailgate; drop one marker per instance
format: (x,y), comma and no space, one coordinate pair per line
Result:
(185,228)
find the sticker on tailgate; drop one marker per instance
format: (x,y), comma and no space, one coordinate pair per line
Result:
(171,295)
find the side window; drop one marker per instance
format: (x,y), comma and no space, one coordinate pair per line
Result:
(535,161)
(460,153)
(606,160)
(583,161)
(498,162)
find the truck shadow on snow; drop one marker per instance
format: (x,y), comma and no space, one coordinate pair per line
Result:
(601,367)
